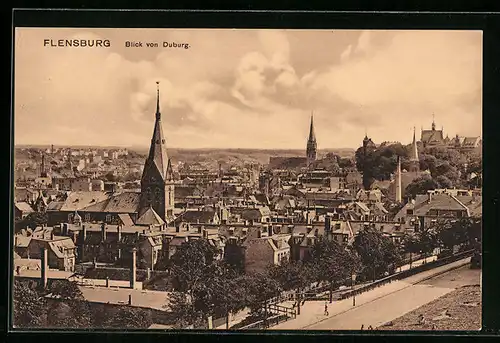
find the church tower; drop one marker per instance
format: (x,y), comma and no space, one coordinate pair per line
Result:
(157,187)
(311,144)
(414,160)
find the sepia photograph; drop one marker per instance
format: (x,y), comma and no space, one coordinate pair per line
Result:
(244,179)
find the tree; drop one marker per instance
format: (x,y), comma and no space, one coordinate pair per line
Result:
(30,306)
(70,307)
(189,265)
(443,182)
(421,185)
(290,274)
(260,288)
(34,220)
(127,317)
(205,286)
(427,240)
(333,263)
(346,163)
(377,252)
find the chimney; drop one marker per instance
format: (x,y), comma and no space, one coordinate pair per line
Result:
(328,223)
(119,229)
(205,233)
(45,267)
(103,232)
(398,182)
(133,270)
(107,281)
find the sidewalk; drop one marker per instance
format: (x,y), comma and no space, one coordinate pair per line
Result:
(313,311)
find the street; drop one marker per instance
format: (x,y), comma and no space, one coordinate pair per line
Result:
(385,303)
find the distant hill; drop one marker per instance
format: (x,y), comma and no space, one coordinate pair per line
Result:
(213,157)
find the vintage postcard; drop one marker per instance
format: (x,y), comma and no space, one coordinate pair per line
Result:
(230,179)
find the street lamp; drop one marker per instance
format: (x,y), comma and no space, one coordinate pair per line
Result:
(353,279)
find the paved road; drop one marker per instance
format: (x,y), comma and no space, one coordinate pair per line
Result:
(385,303)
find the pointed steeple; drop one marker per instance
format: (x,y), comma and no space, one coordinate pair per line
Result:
(158,113)
(312,136)
(157,151)
(311,144)
(433,123)
(414,148)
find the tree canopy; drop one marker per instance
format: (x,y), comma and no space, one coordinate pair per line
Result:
(377,252)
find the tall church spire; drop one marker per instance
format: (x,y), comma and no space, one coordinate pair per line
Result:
(311,144)
(414,159)
(414,148)
(157,151)
(157,188)
(433,123)
(158,113)
(312,136)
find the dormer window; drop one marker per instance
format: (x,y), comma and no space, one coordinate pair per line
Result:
(108,218)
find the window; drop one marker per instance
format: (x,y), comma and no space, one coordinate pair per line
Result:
(409,212)
(108,218)
(87,217)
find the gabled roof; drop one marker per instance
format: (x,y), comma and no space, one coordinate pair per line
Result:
(125,219)
(363,206)
(126,202)
(429,136)
(196,216)
(150,217)
(81,199)
(24,207)
(438,202)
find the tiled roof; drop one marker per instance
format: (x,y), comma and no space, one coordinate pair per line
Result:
(125,219)
(363,206)
(24,207)
(185,191)
(195,216)
(82,199)
(150,217)
(431,136)
(438,202)
(55,205)
(126,202)
(140,298)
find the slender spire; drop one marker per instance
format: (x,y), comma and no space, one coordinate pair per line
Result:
(157,151)
(433,123)
(158,114)
(414,148)
(312,136)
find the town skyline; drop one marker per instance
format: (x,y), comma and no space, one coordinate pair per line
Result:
(382,83)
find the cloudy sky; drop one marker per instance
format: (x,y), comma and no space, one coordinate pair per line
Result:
(246,88)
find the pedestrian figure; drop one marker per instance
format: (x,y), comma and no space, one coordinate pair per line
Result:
(370,328)
(326,309)
(362,327)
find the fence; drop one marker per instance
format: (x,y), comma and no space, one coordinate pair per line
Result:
(265,323)
(407,273)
